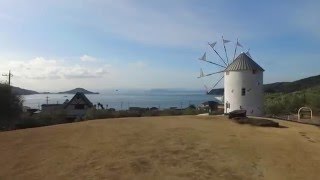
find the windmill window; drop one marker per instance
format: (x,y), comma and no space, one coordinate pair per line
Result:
(228,105)
(227,73)
(254,71)
(243,91)
(79,106)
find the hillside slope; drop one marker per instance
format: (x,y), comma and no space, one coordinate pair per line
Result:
(287,87)
(20,91)
(283,87)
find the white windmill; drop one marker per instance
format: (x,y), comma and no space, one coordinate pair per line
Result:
(243,81)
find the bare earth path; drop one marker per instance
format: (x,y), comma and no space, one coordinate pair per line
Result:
(183,147)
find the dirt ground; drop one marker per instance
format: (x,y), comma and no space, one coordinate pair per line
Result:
(181,147)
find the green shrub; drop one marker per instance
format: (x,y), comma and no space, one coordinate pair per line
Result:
(190,111)
(29,123)
(280,103)
(42,119)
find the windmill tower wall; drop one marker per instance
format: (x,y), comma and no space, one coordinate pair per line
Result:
(243,86)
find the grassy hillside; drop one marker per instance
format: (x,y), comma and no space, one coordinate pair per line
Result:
(288,87)
(283,87)
(284,103)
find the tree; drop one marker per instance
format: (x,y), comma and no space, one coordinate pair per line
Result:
(192,106)
(10,107)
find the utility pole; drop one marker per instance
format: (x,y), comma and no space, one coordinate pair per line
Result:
(9,77)
(47,99)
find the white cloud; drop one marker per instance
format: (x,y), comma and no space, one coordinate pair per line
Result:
(43,74)
(87,58)
(42,68)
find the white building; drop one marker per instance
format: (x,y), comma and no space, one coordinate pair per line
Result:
(243,86)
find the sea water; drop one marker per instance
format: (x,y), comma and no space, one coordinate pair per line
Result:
(124,100)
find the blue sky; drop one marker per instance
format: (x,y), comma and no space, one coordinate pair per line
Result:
(95,44)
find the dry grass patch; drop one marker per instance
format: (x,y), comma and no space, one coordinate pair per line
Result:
(180,147)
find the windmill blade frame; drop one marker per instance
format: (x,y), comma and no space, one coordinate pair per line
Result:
(212,46)
(217,82)
(224,41)
(213,63)
(214,73)
(226,61)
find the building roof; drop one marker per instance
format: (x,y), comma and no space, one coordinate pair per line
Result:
(80,95)
(243,62)
(50,105)
(208,103)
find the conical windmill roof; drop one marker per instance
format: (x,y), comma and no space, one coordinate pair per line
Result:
(243,62)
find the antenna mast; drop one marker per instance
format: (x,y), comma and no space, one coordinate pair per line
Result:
(9,77)
(47,99)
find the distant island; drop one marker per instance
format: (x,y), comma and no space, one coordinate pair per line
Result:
(282,87)
(74,91)
(20,91)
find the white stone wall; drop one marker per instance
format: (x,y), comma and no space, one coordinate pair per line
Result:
(253,99)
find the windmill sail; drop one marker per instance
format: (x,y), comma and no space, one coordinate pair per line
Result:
(235,50)
(212,44)
(247,53)
(225,50)
(201,73)
(225,41)
(204,57)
